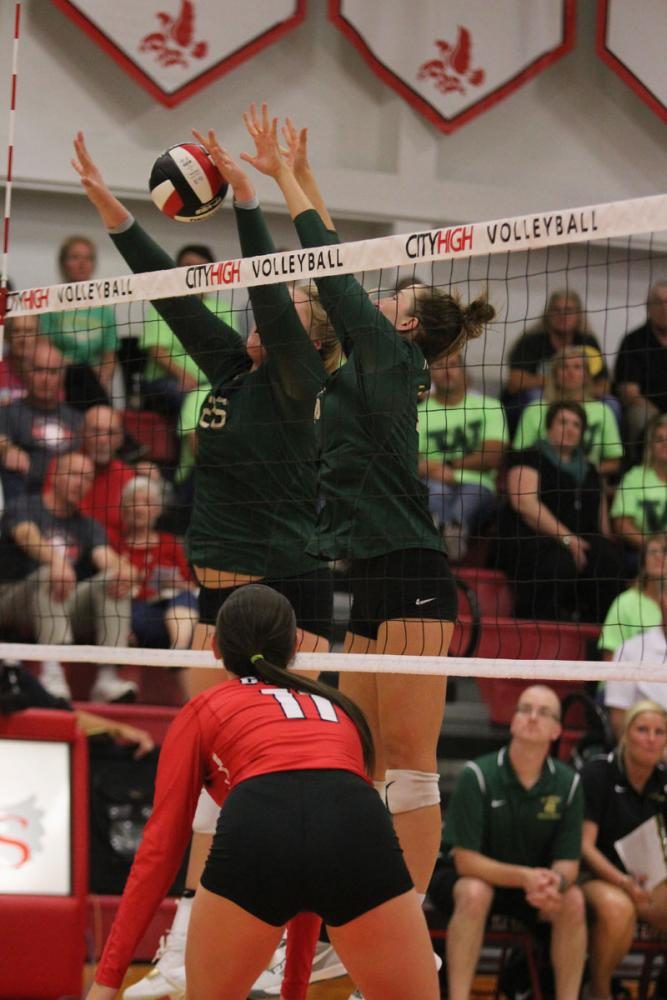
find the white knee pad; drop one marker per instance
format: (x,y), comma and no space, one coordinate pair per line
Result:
(206,815)
(408,790)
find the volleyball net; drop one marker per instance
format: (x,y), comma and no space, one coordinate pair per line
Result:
(600,261)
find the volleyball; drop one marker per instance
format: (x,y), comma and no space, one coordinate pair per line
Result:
(185,184)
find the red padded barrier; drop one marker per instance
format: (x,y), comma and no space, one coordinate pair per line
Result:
(492,588)
(45,935)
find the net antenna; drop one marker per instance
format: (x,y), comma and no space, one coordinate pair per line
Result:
(10,164)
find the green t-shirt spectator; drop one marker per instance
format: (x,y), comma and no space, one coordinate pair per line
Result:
(157,333)
(631,613)
(602,438)
(187,423)
(642,496)
(448,433)
(83,336)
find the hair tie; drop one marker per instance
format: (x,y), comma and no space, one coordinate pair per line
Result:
(256,656)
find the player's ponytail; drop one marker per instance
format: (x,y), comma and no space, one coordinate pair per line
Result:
(444,324)
(256,632)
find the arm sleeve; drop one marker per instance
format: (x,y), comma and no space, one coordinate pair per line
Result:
(179,780)
(464,822)
(211,343)
(293,356)
(567,846)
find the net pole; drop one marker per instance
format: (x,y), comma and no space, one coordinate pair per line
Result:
(4,277)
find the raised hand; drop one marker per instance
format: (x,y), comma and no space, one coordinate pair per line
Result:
(296,151)
(263,130)
(228,167)
(111,211)
(89,173)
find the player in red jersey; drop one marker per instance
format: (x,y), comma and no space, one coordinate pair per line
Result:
(301,828)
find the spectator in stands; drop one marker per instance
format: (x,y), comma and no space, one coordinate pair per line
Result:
(554,538)
(59,577)
(462,440)
(641,370)
(621,791)
(87,338)
(36,428)
(164,605)
(21,338)
(640,606)
(20,690)
(513,843)
(649,646)
(102,437)
(569,377)
(564,324)
(640,505)
(170,371)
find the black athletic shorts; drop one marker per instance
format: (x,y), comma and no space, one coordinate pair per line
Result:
(506,902)
(306,841)
(408,583)
(311,596)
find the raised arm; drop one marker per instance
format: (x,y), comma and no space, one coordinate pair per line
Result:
(294,357)
(212,344)
(354,316)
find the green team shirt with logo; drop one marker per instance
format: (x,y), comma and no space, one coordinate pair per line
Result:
(255,471)
(642,496)
(449,433)
(602,437)
(629,614)
(374,501)
(83,336)
(156,333)
(492,813)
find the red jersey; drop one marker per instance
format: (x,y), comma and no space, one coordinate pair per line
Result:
(163,566)
(102,501)
(232,732)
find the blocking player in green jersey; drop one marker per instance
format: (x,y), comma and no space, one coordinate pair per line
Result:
(375,509)
(462,440)
(254,508)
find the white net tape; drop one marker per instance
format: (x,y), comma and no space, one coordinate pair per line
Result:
(454,666)
(517,234)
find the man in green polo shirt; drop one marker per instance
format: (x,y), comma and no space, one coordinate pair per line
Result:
(513,830)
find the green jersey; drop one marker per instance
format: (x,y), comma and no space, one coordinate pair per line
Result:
(642,496)
(188,419)
(629,614)
(602,437)
(492,813)
(83,336)
(449,433)
(374,501)
(255,471)
(157,334)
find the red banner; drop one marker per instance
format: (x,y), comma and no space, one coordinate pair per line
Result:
(631,40)
(173,48)
(452,61)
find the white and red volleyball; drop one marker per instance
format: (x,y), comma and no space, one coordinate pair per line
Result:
(185,184)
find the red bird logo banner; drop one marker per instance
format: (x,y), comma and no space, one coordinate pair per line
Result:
(452,61)
(173,48)
(631,40)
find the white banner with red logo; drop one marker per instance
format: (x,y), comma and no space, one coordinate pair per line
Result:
(453,60)
(173,48)
(631,40)
(35,818)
